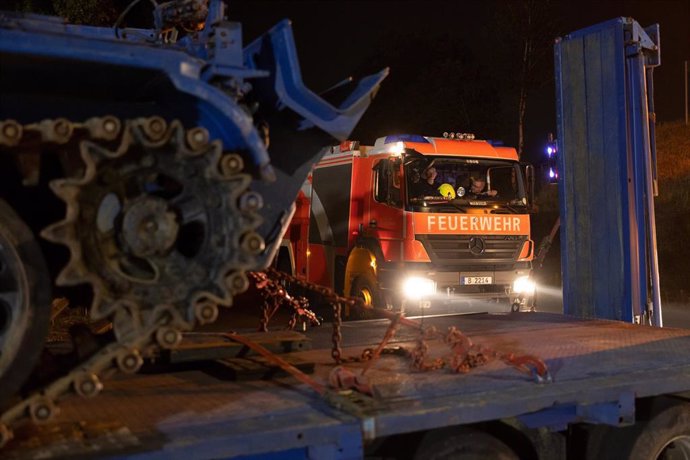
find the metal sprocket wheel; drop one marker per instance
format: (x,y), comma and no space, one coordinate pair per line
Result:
(155,223)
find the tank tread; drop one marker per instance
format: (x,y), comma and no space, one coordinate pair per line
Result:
(159,260)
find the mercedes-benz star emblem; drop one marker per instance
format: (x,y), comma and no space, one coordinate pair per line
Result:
(477,245)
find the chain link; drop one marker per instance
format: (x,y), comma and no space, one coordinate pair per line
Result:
(337,336)
(275,296)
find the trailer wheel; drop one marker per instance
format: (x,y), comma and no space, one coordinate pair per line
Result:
(665,437)
(25,296)
(466,443)
(364,288)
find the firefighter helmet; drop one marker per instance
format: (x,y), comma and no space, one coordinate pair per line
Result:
(447,191)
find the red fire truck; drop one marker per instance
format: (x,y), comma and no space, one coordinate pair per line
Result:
(362,227)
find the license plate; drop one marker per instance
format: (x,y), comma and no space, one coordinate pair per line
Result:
(477,280)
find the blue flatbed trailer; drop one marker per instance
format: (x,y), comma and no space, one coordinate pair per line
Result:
(619,390)
(601,370)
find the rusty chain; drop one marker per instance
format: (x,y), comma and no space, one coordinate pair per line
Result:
(390,332)
(421,350)
(465,355)
(333,299)
(337,336)
(301,310)
(275,296)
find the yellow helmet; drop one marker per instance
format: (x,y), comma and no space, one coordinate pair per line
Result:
(447,191)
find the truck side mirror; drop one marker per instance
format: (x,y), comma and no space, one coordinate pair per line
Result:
(529,184)
(394,191)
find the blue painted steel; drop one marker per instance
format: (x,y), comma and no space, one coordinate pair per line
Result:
(614,413)
(606,166)
(288,85)
(292,431)
(292,454)
(553,418)
(203,79)
(194,70)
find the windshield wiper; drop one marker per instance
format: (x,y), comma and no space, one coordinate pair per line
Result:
(457,206)
(439,204)
(512,208)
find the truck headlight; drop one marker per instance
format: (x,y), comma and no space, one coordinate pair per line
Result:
(416,287)
(524,285)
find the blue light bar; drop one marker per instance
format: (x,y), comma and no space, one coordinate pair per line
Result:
(495,143)
(405,138)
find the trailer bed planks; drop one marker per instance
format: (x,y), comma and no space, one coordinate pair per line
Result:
(598,367)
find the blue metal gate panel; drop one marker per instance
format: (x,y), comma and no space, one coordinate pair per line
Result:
(608,251)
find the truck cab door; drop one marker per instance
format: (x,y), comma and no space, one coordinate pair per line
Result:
(385,211)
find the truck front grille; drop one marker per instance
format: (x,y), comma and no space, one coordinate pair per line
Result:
(450,250)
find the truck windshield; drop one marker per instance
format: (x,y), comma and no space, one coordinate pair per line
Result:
(442,184)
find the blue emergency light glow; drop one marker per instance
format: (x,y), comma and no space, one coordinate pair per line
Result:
(405,138)
(551,154)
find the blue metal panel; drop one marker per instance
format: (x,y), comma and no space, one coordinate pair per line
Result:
(607,241)
(289,87)
(287,432)
(191,70)
(614,413)
(200,80)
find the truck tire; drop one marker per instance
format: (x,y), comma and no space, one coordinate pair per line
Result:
(664,436)
(25,296)
(366,289)
(462,443)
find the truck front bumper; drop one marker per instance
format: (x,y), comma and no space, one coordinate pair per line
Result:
(479,288)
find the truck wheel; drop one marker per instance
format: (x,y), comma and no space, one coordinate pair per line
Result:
(25,296)
(463,442)
(364,288)
(666,436)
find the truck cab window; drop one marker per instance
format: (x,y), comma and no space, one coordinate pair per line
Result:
(463,183)
(385,188)
(503,179)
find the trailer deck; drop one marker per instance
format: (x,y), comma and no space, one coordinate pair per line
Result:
(598,369)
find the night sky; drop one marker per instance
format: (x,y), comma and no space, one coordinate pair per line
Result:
(455,65)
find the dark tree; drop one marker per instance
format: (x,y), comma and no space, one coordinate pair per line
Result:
(91,12)
(102,13)
(523,34)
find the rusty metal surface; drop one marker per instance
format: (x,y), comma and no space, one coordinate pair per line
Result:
(591,361)
(209,346)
